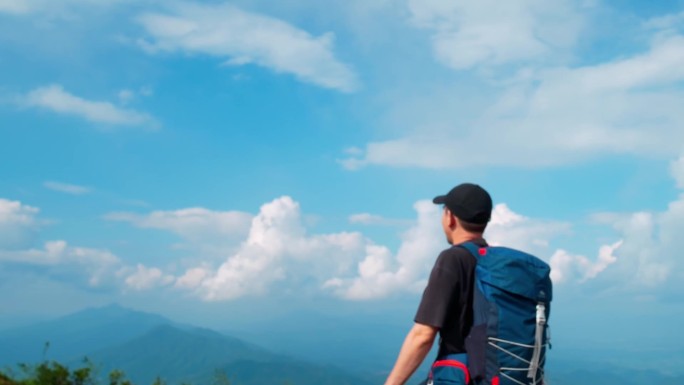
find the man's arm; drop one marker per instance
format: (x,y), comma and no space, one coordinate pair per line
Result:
(416,346)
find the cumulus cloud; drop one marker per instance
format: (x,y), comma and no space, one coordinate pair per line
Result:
(58,257)
(641,262)
(536,236)
(54,98)
(18,224)
(241,37)
(277,247)
(508,228)
(625,106)
(277,254)
(677,171)
(67,188)
(193,278)
(566,266)
(380,273)
(144,278)
(647,261)
(471,33)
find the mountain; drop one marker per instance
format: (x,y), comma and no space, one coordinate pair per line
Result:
(146,346)
(195,355)
(175,354)
(74,335)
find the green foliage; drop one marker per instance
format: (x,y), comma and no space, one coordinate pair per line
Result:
(54,373)
(221,378)
(5,380)
(117,377)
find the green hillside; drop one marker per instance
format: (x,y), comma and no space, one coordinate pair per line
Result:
(195,356)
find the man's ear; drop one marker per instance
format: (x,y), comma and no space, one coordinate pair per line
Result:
(453,221)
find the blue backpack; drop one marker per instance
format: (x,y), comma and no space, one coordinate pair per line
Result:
(511,304)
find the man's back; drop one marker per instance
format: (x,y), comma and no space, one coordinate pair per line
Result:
(447,300)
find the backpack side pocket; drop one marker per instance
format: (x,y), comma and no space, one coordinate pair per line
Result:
(448,372)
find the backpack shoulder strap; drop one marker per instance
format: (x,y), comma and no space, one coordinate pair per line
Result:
(473,248)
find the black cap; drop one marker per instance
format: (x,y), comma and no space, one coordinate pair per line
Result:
(468,202)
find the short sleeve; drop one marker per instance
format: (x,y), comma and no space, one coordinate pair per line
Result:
(440,292)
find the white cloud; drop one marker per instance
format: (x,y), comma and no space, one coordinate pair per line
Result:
(58,256)
(193,278)
(628,259)
(648,259)
(566,266)
(641,259)
(67,188)
(144,278)
(556,116)
(372,219)
(677,171)
(56,99)
(380,273)
(125,96)
(467,34)
(365,218)
(14,6)
(666,22)
(195,223)
(18,224)
(278,253)
(511,229)
(242,37)
(277,248)
(25,7)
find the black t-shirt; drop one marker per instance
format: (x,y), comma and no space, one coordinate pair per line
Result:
(447,301)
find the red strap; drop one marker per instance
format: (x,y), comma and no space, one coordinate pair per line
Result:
(456,364)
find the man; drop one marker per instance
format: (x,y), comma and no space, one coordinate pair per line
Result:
(446,306)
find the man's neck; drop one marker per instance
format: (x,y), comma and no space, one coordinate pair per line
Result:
(462,237)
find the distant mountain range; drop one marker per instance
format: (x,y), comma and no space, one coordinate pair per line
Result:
(145,346)
(75,335)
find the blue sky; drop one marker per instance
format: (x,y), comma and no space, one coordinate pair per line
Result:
(208,159)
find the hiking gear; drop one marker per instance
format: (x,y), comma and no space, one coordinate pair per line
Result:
(449,370)
(468,202)
(511,305)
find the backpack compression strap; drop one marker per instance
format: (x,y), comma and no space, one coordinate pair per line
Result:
(538,342)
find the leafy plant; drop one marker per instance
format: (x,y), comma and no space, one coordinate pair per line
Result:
(54,373)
